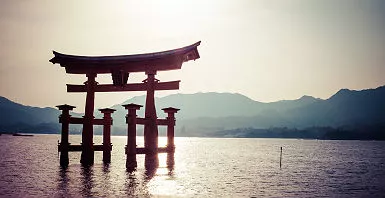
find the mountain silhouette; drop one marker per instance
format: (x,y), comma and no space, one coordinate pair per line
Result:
(13,113)
(205,113)
(346,107)
(214,105)
(16,117)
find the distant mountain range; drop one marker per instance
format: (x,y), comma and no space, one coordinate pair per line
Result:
(16,117)
(206,114)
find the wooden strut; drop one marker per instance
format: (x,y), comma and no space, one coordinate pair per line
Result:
(172,85)
(141,121)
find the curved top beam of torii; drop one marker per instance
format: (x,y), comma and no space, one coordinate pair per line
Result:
(158,61)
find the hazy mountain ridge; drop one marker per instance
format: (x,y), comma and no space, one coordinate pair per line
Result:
(14,113)
(204,114)
(215,105)
(346,107)
(15,117)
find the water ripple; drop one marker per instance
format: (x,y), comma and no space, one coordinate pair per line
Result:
(201,167)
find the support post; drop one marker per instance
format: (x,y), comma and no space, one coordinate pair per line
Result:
(170,127)
(107,122)
(150,128)
(130,149)
(87,157)
(280,159)
(64,119)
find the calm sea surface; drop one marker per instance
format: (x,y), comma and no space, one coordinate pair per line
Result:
(204,167)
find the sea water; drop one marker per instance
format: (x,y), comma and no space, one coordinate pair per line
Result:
(204,167)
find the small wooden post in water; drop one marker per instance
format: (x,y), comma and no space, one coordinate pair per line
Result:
(131,135)
(64,119)
(170,136)
(170,127)
(107,122)
(280,159)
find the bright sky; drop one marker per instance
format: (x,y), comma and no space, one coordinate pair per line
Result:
(268,50)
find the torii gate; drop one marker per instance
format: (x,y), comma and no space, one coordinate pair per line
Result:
(119,67)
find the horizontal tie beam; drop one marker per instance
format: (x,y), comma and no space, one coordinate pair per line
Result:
(74,120)
(162,122)
(143,121)
(172,85)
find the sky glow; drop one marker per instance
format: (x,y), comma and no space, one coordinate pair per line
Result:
(267,50)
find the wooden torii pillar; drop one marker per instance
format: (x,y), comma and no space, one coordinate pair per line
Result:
(130,149)
(64,119)
(87,156)
(150,127)
(119,67)
(170,127)
(107,122)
